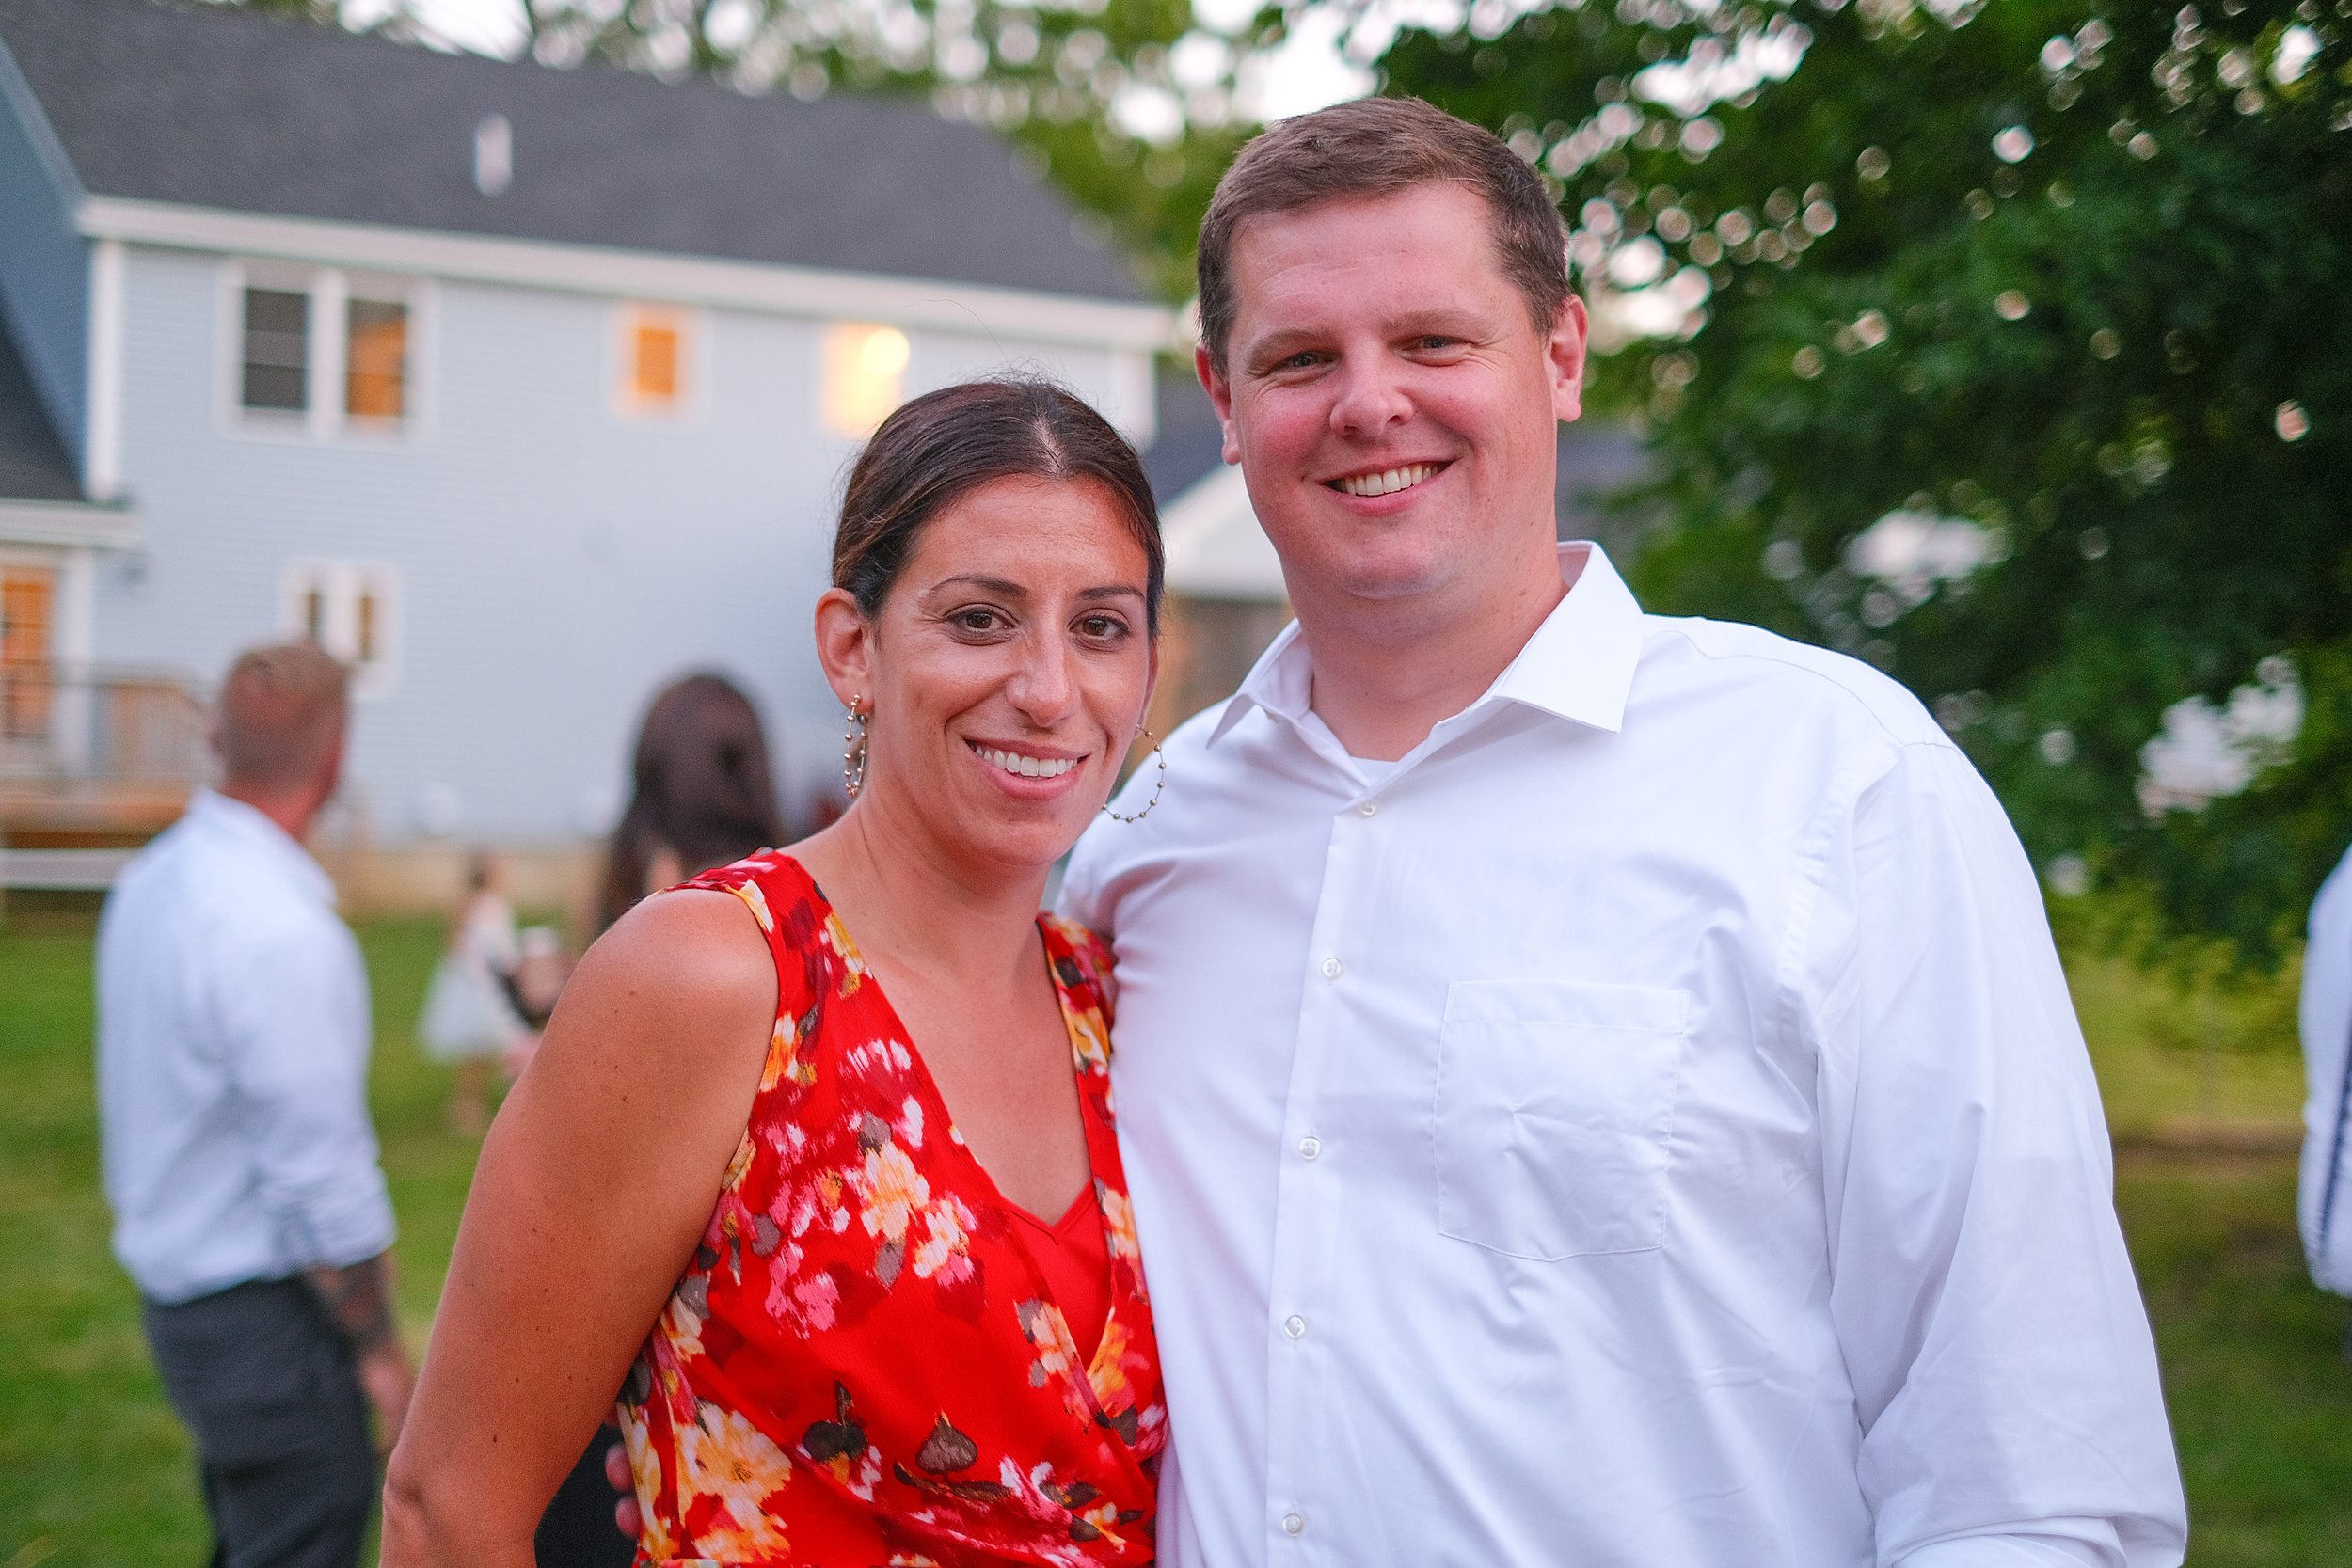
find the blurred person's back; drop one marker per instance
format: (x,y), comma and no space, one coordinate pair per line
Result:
(2327,1029)
(239,1160)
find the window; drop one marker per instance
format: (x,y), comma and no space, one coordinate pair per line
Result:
(276,350)
(324,353)
(27,604)
(864,376)
(655,343)
(376,362)
(350,609)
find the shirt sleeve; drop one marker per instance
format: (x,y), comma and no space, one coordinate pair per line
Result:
(2004,1375)
(2326,1206)
(294,1002)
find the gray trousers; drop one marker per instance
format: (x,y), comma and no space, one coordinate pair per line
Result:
(267,1386)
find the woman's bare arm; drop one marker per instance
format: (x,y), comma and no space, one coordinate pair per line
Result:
(596,1182)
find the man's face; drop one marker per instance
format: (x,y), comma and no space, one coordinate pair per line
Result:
(1391,405)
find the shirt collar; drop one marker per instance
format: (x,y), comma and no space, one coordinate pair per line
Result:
(1579,664)
(220,814)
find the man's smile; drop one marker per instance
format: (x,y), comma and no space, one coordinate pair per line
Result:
(1386,482)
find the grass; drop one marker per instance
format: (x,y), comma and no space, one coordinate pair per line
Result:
(94,1470)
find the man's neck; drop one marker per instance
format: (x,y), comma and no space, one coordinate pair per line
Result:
(292,811)
(1385,677)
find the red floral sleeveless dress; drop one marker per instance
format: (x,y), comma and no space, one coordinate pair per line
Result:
(863,1364)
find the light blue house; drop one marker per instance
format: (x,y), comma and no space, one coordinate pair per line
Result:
(522,389)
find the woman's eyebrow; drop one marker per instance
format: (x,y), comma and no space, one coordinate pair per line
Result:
(1112,590)
(998,586)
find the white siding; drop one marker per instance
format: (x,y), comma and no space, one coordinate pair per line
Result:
(557,561)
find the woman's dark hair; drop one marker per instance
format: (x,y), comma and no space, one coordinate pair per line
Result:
(944,445)
(701,789)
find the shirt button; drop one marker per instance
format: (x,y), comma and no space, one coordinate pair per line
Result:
(1296,1326)
(1368,808)
(1293,1524)
(1310,1148)
(1331,968)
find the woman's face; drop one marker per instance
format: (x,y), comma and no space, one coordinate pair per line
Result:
(1006,672)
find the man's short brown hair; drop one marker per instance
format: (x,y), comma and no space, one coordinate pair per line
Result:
(1378,147)
(281,715)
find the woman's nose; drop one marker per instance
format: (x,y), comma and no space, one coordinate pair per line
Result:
(1041,688)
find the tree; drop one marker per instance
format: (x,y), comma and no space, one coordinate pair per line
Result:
(2007,348)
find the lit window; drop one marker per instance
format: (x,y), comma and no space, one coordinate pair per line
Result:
(375,373)
(350,609)
(28,602)
(276,350)
(866,368)
(654,347)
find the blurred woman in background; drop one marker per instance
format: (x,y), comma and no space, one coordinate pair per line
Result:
(702,795)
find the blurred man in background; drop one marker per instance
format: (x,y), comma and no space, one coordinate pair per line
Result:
(233,1053)
(2326,1189)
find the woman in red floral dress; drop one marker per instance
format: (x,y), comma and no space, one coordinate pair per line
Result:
(817,1162)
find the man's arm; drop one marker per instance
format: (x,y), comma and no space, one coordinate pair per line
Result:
(2004,1375)
(295,1003)
(358,1299)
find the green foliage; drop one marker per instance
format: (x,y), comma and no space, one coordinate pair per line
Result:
(2069,271)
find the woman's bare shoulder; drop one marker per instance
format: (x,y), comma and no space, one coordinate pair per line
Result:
(690,969)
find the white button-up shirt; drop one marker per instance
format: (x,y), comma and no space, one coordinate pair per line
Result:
(2326,1186)
(1648,1128)
(232,1061)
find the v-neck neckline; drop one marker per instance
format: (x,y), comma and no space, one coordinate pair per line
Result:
(935,1103)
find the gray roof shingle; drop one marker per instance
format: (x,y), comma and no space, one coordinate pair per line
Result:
(215,107)
(33,462)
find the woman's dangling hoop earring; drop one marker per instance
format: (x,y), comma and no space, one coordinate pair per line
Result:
(853,749)
(1157,785)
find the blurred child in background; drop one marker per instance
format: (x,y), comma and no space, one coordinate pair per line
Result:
(474,1016)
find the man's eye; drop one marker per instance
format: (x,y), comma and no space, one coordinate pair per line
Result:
(1437,344)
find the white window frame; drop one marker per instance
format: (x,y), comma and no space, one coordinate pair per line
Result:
(341,584)
(620,377)
(331,290)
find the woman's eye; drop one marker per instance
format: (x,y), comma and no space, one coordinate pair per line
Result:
(1101,627)
(977,620)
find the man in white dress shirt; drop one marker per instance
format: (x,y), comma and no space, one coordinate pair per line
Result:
(232,1050)
(1597,1089)
(2326,1184)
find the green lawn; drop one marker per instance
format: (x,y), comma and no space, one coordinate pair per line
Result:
(94,1470)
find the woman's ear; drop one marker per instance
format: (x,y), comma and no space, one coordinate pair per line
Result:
(845,646)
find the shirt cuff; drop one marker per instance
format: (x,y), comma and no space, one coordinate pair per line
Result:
(347,1224)
(2013,1551)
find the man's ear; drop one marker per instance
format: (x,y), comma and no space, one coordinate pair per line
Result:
(845,646)
(1220,398)
(1564,349)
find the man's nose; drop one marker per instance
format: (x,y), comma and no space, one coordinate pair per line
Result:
(1370,399)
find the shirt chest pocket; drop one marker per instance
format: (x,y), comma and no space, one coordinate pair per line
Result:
(1556,1105)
